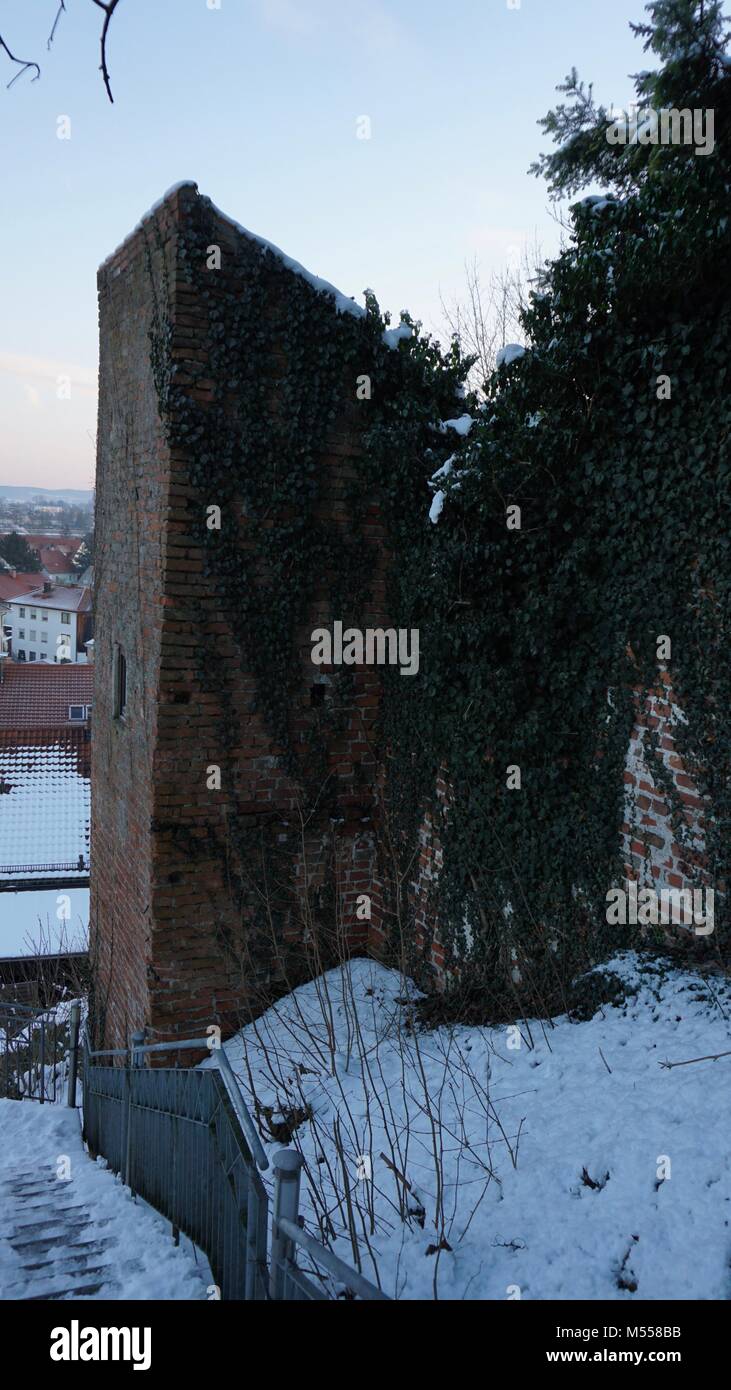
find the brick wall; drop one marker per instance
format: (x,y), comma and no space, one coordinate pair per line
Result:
(131,506)
(173,930)
(657,853)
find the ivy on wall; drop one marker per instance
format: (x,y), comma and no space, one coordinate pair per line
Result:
(609,435)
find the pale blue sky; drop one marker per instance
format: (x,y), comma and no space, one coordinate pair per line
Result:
(258,101)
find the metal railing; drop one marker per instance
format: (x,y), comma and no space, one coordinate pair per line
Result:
(32,1052)
(185,1141)
(177,1139)
(286,1279)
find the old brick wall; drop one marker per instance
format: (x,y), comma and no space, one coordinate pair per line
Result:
(659,853)
(131,504)
(172,907)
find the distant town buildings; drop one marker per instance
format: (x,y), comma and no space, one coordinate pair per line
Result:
(50,623)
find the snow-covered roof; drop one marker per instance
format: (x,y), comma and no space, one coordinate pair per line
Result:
(44,806)
(68,598)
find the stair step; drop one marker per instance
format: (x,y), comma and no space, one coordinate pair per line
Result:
(43,1246)
(84,1291)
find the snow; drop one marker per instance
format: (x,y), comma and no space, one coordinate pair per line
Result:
(30,920)
(525,1129)
(393,336)
(343,304)
(139,1259)
(44,812)
(463,424)
(512,352)
(435,510)
(596,204)
(444,471)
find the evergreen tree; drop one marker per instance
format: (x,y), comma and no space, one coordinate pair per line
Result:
(14,549)
(610,437)
(689,37)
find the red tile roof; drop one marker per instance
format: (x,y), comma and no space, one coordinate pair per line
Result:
(56,561)
(36,696)
(10,586)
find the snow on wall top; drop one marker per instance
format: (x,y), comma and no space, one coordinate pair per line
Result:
(343,304)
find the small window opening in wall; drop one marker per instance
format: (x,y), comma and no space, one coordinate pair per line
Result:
(120,683)
(319,691)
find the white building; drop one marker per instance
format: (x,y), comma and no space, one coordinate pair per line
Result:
(51,623)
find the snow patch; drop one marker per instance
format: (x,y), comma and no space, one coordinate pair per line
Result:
(512,352)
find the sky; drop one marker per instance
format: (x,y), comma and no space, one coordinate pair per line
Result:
(260,102)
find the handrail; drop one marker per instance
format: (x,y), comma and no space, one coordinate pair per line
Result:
(233,1089)
(227,1074)
(200,1044)
(332,1262)
(286,1232)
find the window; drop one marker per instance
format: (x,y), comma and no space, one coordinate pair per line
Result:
(44,636)
(20,654)
(89,708)
(33,615)
(44,616)
(33,634)
(31,656)
(22,612)
(76,712)
(120,683)
(66,618)
(21,633)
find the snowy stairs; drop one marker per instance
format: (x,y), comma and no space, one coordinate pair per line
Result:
(58,1248)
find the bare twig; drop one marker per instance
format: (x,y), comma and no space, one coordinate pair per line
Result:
(108,6)
(713,1057)
(23,64)
(61,10)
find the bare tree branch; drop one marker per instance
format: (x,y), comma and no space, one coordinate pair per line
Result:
(61,10)
(23,64)
(488,315)
(109,7)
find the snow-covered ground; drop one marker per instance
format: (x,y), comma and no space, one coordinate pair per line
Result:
(562,1161)
(52,1194)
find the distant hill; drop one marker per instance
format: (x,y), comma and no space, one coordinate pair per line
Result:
(76,496)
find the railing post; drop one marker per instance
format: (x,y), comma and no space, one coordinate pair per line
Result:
(135,1060)
(137,1040)
(287,1165)
(42,1059)
(74,1020)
